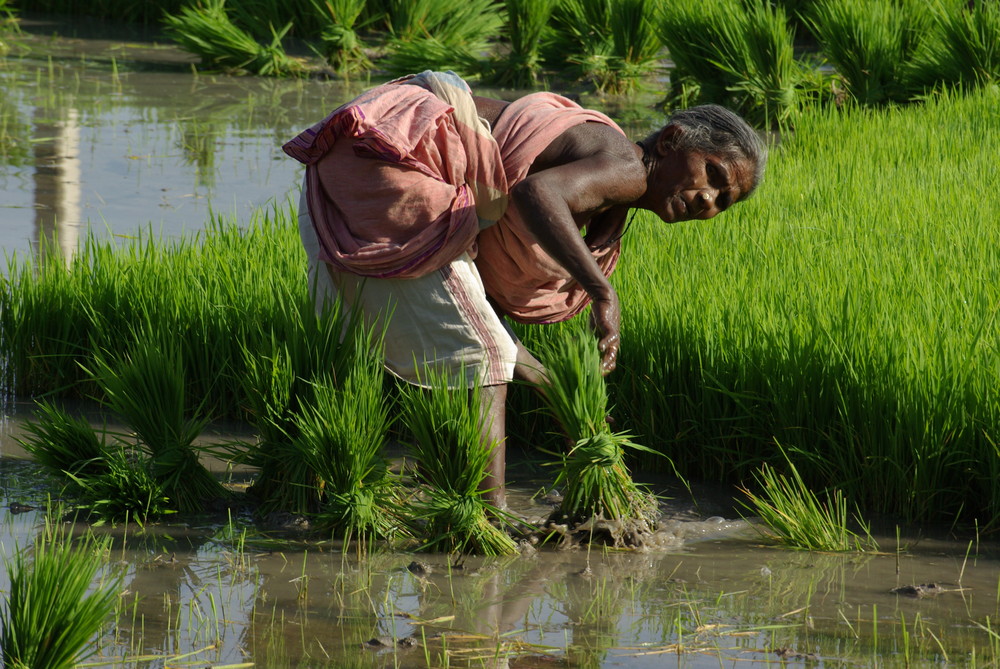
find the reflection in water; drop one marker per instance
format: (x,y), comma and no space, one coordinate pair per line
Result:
(57,183)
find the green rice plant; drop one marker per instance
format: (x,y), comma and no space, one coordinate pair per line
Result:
(737,56)
(870,43)
(109,481)
(612,43)
(962,49)
(796,516)
(342,47)
(447,442)
(145,386)
(442,35)
(878,376)
(340,436)
(64,444)
(279,381)
(527,22)
(208,32)
(592,472)
(53,610)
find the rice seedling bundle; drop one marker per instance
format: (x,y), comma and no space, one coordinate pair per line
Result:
(208,32)
(870,43)
(612,43)
(594,477)
(447,442)
(847,310)
(527,22)
(442,35)
(962,48)
(109,480)
(53,610)
(146,387)
(737,56)
(341,436)
(341,44)
(796,517)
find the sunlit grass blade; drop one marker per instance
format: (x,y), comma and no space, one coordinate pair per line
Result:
(342,46)
(527,21)
(447,443)
(53,611)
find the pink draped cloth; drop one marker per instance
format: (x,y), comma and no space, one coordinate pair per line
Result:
(411,179)
(527,284)
(402,178)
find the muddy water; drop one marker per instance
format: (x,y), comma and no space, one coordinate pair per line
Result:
(101,134)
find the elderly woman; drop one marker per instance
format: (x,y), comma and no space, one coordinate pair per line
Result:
(440,214)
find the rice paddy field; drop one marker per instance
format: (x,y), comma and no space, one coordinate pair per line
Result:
(831,339)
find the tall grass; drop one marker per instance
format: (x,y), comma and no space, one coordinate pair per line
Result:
(447,442)
(870,43)
(53,610)
(727,53)
(848,312)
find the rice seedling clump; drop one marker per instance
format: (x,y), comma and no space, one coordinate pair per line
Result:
(600,499)
(53,611)
(447,441)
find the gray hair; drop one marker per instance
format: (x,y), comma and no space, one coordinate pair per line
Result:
(716,130)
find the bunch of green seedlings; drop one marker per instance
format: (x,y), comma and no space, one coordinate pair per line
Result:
(595,481)
(53,609)
(733,53)
(871,44)
(208,31)
(448,434)
(794,515)
(151,471)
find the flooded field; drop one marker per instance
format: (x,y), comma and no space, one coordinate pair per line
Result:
(94,135)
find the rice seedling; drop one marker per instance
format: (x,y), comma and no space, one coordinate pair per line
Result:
(342,47)
(796,516)
(869,43)
(612,43)
(340,436)
(449,35)
(208,32)
(447,442)
(281,375)
(54,610)
(737,56)
(62,443)
(527,21)
(593,475)
(961,48)
(146,387)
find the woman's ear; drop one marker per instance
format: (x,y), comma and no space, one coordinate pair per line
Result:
(667,139)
